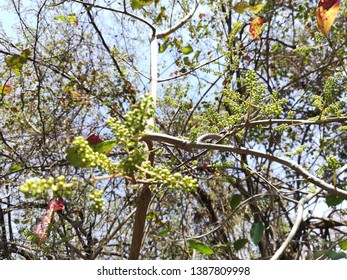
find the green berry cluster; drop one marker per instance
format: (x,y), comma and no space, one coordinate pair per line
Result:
(128,134)
(274,105)
(134,123)
(39,186)
(89,158)
(163,177)
(328,102)
(256,89)
(333,163)
(304,50)
(98,202)
(135,157)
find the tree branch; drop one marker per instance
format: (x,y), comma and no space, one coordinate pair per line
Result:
(101,37)
(294,122)
(189,146)
(154,76)
(143,200)
(178,25)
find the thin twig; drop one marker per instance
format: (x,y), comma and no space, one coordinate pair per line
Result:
(299,215)
(117,11)
(190,71)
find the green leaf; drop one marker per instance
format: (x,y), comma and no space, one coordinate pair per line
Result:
(336,255)
(257,231)
(187,49)
(151,215)
(224,246)
(17,71)
(200,247)
(235,201)
(186,61)
(105,146)
(162,47)
(196,55)
(257,8)
(15,167)
(318,254)
(333,200)
(177,42)
(343,244)
(240,243)
(138,4)
(163,232)
(74,158)
(329,255)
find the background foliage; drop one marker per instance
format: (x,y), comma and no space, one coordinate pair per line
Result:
(249,134)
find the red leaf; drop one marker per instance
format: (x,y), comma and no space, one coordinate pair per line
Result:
(53,205)
(59,204)
(202,15)
(40,230)
(94,139)
(326,13)
(255,28)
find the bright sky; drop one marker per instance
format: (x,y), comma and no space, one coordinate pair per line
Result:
(7,20)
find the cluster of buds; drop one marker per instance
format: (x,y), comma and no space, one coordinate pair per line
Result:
(35,187)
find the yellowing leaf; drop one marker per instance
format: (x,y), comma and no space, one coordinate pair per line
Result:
(343,244)
(73,19)
(257,8)
(17,61)
(138,4)
(69,18)
(241,7)
(255,28)
(187,49)
(5,89)
(326,13)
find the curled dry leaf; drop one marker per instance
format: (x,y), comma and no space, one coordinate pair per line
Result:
(255,28)
(326,13)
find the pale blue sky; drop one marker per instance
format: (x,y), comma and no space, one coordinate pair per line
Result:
(7,20)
